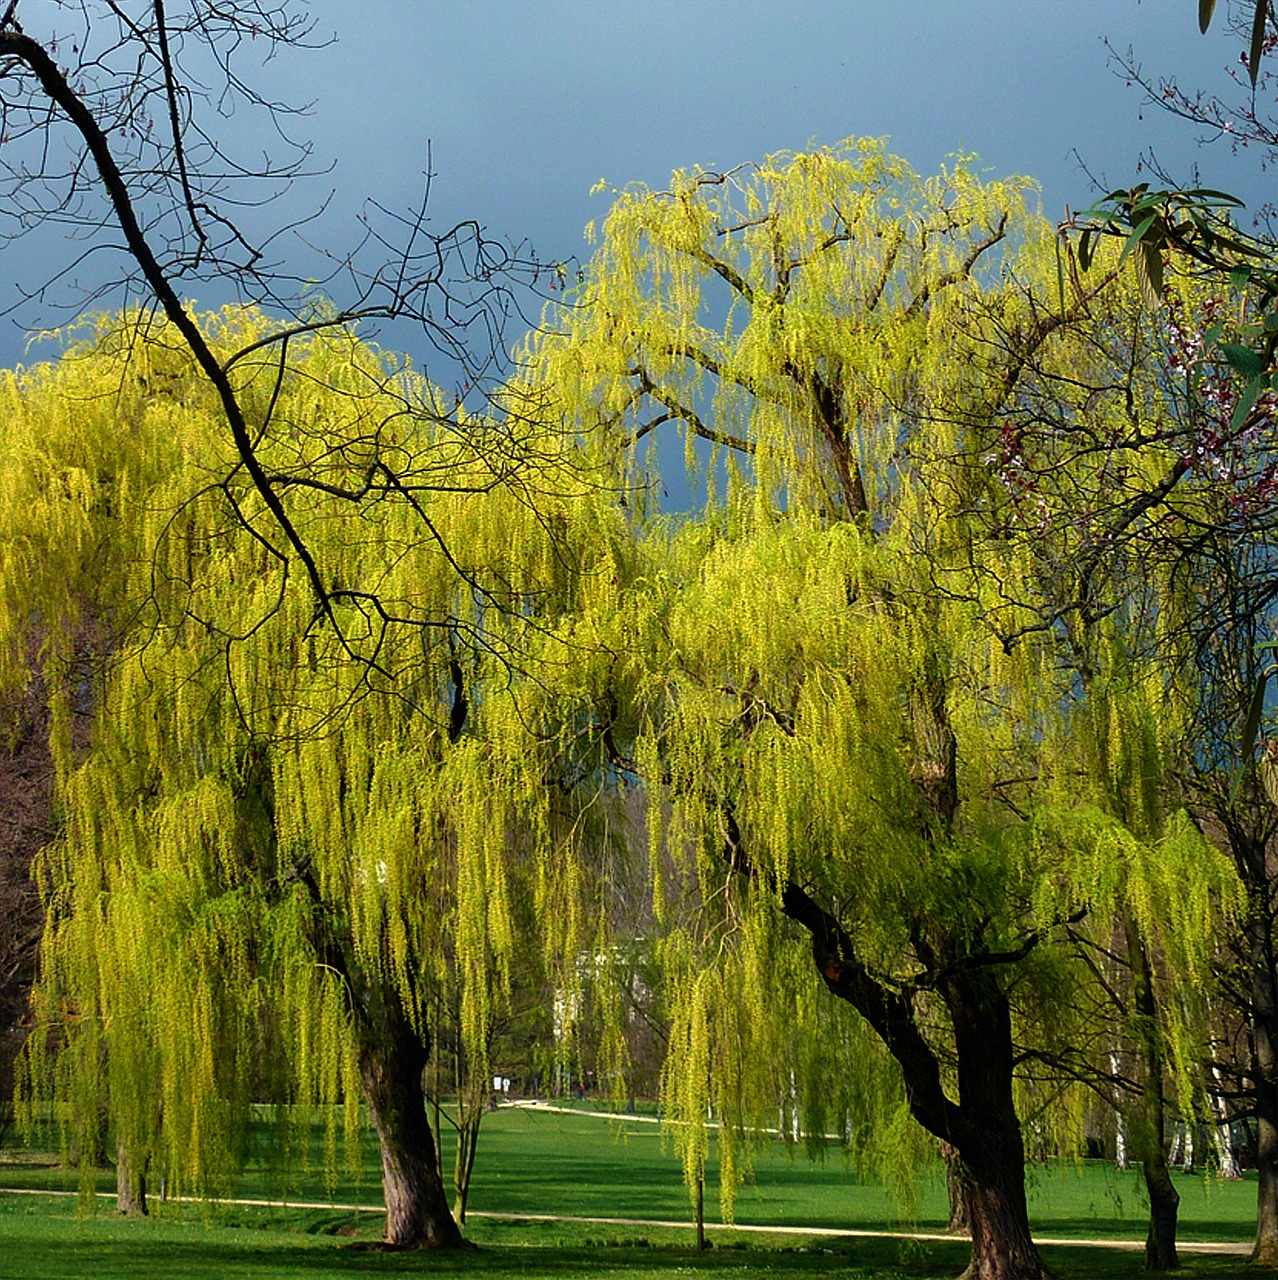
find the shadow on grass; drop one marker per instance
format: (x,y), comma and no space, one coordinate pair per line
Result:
(39,1243)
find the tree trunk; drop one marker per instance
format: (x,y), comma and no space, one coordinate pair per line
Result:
(1223,1130)
(469,1117)
(392,1067)
(960,1220)
(1002,1248)
(130,1185)
(1164,1199)
(990,1144)
(392,1061)
(1120,1122)
(983,1124)
(1164,1206)
(1266,1250)
(1251,858)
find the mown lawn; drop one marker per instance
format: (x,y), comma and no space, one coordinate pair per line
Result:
(45,1240)
(580,1166)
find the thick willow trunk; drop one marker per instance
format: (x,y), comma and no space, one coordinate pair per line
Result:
(392,1067)
(1002,1247)
(983,1124)
(392,1061)
(959,1221)
(130,1185)
(990,1144)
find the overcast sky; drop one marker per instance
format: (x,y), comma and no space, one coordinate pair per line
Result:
(528,103)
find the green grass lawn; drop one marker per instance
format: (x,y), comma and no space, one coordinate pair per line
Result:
(536,1162)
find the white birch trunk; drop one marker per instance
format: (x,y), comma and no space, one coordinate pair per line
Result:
(1120,1128)
(1224,1141)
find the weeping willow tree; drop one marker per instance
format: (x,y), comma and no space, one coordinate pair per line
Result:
(846,695)
(271,852)
(1153,937)
(1192,577)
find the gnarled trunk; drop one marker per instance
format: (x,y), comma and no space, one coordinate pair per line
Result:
(392,1060)
(392,1067)
(1002,1247)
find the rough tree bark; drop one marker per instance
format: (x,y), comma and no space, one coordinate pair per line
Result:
(960,1220)
(392,1060)
(393,1055)
(130,1184)
(988,1137)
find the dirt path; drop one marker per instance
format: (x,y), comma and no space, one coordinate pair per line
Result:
(1222,1247)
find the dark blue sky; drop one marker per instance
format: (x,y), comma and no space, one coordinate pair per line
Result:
(528,103)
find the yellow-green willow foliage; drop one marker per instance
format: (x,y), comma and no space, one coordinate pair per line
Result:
(789,309)
(271,824)
(855,686)
(793,696)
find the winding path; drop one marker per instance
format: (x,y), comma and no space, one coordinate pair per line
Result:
(1222,1247)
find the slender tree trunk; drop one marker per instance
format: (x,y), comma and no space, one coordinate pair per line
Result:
(1265,1079)
(1120,1122)
(130,1185)
(469,1117)
(1182,1147)
(392,1061)
(1164,1207)
(1251,859)
(1164,1199)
